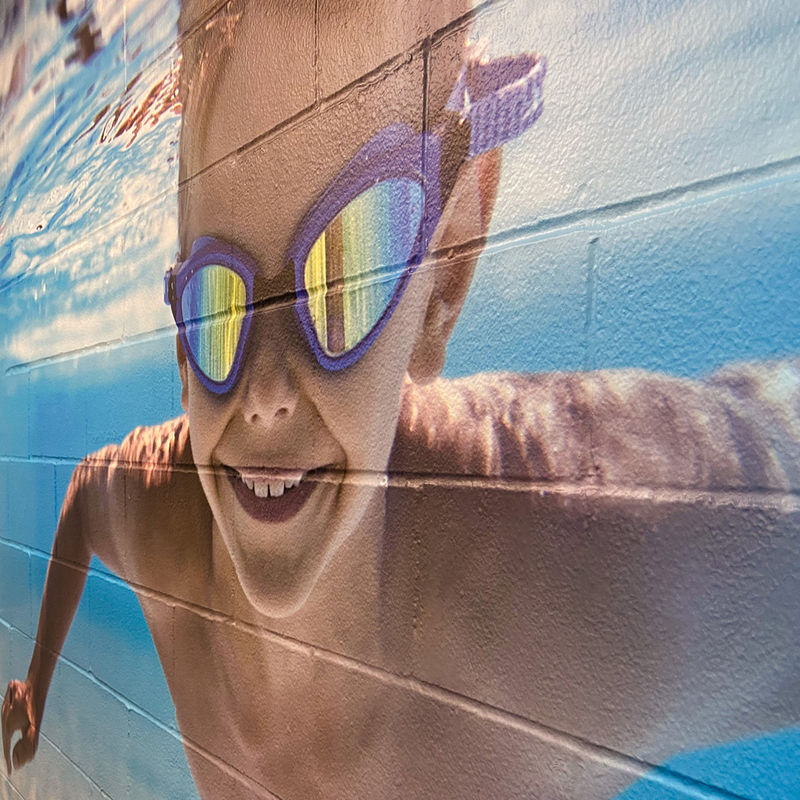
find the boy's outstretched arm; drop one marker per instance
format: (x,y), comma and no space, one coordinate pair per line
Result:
(120,502)
(736,429)
(23,704)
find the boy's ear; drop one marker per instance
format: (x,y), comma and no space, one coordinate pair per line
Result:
(183,369)
(463,227)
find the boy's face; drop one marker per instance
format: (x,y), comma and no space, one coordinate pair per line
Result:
(287,419)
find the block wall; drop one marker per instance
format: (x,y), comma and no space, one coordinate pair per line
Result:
(575,572)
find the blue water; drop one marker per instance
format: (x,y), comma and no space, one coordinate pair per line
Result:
(89,167)
(87,227)
(761,768)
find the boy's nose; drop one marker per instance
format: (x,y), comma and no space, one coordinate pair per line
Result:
(270,391)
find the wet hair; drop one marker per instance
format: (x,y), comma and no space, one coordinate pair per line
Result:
(205,47)
(207,39)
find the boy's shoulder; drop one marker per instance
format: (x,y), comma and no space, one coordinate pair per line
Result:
(466,426)
(153,451)
(735,428)
(141,501)
(525,426)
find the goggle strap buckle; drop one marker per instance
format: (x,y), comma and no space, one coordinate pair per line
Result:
(500,99)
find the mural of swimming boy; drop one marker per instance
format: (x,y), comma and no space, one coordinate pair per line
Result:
(365,580)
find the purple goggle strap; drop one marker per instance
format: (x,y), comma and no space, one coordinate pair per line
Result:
(500,99)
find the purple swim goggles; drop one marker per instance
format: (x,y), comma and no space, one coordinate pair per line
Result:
(357,247)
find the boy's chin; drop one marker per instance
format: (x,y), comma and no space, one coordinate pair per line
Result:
(281,601)
(278,590)
(277,582)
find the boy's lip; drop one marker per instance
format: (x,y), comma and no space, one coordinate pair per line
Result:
(295,487)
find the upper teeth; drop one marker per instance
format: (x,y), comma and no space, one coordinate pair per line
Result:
(272,487)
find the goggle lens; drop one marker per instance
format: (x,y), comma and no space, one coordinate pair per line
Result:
(213,306)
(353,267)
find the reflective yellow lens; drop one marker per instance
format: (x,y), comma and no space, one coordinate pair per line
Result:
(353,268)
(213,307)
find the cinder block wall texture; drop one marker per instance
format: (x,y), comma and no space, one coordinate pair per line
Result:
(565,568)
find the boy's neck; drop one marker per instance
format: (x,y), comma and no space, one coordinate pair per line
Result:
(342,611)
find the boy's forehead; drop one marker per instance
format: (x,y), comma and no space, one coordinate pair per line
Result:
(258,196)
(247,73)
(272,142)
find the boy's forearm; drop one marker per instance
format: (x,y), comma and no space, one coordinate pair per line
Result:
(66,578)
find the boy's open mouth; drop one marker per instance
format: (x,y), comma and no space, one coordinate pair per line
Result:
(272,495)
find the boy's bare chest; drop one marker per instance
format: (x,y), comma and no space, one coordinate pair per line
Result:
(258,710)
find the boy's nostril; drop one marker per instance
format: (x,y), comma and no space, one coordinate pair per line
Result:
(258,418)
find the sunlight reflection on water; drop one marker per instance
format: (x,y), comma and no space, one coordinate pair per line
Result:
(89,168)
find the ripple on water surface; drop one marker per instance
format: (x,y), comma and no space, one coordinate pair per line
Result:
(89,123)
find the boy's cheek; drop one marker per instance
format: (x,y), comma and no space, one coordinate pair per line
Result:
(360,405)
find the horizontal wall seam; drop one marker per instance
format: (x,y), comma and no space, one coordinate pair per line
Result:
(58,255)
(786,500)
(613,215)
(118,342)
(7,783)
(85,775)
